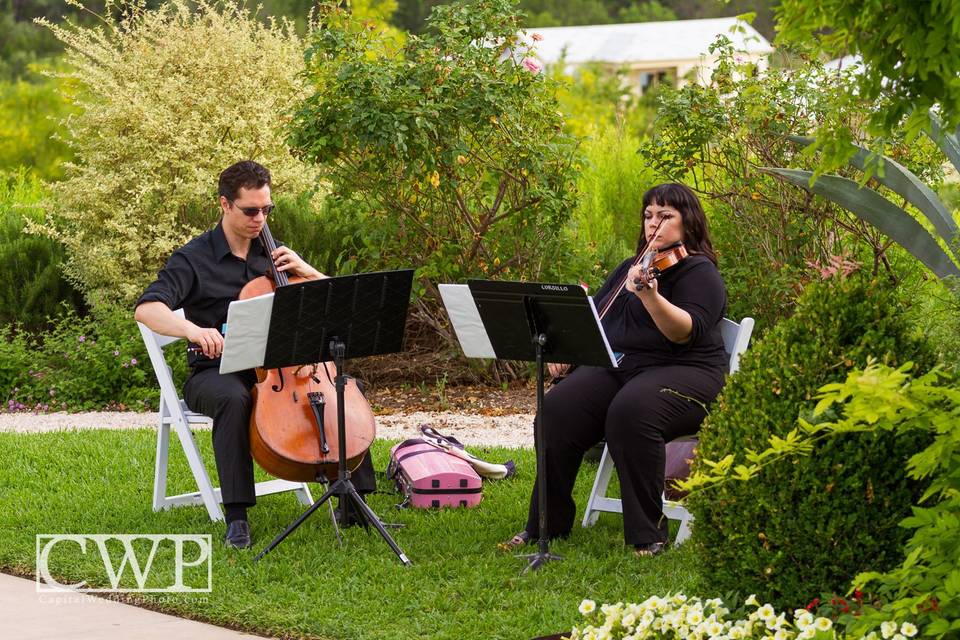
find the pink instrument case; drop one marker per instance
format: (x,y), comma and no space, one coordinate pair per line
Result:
(430,477)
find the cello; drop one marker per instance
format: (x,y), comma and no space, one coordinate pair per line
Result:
(293,424)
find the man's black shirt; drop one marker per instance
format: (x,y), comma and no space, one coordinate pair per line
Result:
(203,277)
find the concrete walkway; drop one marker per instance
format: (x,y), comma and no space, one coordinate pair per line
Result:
(28,615)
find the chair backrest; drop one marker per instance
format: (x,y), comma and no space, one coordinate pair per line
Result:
(155,342)
(736,337)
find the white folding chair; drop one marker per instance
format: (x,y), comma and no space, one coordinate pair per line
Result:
(736,337)
(174,412)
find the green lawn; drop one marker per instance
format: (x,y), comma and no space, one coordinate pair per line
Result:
(459,586)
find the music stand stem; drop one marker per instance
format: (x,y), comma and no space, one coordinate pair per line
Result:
(342,487)
(543,554)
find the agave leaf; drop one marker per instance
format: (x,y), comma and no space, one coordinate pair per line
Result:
(901,180)
(945,140)
(870,206)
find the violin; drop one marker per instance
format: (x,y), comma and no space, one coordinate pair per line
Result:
(293,424)
(654,263)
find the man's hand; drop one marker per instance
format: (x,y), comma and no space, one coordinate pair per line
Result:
(209,340)
(286,259)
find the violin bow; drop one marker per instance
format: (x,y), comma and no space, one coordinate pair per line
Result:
(640,258)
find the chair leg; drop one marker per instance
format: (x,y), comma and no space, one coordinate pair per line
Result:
(303,495)
(599,491)
(160,468)
(199,472)
(684,531)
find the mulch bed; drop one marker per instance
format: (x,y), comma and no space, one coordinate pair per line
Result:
(485,400)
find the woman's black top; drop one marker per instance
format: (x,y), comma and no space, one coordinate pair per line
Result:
(694,285)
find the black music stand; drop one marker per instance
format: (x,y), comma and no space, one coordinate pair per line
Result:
(335,319)
(540,322)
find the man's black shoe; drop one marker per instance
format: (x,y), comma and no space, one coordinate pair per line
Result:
(238,535)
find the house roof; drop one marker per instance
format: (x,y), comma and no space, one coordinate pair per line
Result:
(643,41)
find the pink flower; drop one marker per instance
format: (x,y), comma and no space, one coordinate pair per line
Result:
(532,65)
(116,353)
(82,338)
(536,37)
(133,362)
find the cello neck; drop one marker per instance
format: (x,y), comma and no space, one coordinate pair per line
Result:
(269,245)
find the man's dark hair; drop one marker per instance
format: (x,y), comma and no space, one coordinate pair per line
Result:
(247,174)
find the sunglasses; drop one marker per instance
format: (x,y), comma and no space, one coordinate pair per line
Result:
(254,211)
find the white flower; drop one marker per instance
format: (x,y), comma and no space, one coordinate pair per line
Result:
(823,624)
(804,619)
(888,628)
(781,634)
(775,623)
(908,629)
(766,612)
(679,598)
(898,636)
(694,617)
(736,633)
(628,620)
(807,633)
(752,600)
(715,628)
(589,606)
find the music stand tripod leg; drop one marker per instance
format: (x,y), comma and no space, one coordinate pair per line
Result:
(536,560)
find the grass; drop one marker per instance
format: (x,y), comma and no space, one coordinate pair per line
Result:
(459,586)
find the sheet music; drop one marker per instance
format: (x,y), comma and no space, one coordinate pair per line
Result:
(615,358)
(245,341)
(466,321)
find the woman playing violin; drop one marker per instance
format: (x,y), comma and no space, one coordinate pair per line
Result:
(666,332)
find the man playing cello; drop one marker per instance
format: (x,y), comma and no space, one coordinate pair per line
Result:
(202,278)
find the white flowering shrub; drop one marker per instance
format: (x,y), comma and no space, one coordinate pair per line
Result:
(167,98)
(677,617)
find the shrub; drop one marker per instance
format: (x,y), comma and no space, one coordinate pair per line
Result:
(454,146)
(167,98)
(94,362)
(29,112)
(33,286)
(920,594)
(810,525)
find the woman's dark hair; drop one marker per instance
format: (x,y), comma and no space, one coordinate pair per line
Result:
(695,236)
(246,173)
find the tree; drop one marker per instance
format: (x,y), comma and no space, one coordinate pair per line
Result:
(910,52)
(453,146)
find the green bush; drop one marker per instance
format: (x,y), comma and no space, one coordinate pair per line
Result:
(82,363)
(457,151)
(29,112)
(33,286)
(809,525)
(166,99)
